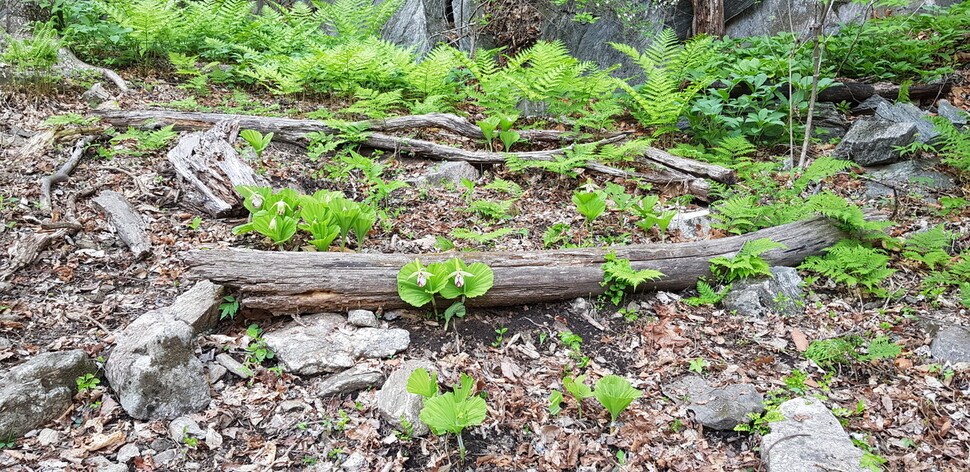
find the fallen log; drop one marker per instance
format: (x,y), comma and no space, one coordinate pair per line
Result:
(125,220)
(212,167)
(297,282)
(674,170)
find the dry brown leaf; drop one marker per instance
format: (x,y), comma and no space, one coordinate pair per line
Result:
(106,441)
(798,337)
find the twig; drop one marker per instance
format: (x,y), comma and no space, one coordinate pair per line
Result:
(138,183)
(63,173)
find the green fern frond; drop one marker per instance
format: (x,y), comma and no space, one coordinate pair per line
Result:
(852,263)
(823,168)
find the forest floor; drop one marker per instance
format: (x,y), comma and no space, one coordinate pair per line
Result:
(85,288)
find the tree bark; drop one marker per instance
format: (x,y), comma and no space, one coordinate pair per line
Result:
(212,167)
(125,220)
(296,282)
(709,17)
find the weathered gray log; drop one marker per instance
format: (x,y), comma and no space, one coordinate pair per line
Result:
(25,251)
(126,221)
(295,282)
(674,170)
(209,163)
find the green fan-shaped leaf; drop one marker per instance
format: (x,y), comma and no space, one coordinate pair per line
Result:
(468,280)
(615,394)
(417,284)
(422,382)
(279,228)
(449,414)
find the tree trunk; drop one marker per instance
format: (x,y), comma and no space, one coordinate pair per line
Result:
(709,17)
(295,282)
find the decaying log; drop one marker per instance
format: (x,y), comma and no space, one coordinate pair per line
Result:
(209,163)
(296,282)
(462,126)
(679,170)
(63,173)
(26,250)
(855,92)
(125,220)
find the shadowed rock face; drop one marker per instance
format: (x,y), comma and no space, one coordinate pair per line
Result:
(40,390)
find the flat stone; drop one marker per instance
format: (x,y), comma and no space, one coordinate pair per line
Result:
(184,426)
(351,380)
(40,390)
(326,343)
(910,175)
(167,456)
(873,142)
(362,318)
(720,408)
(908,113)
(951,344)
(755,296)
(449,172)
(127,453)
(95,95)
(395,402)
(199,307)
(957,116)
(869,105)
(354,463)
(232,365)
(809,439)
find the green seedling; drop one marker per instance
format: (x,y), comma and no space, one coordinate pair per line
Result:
(450,412)
(615,394)
(87,382)
(256,140)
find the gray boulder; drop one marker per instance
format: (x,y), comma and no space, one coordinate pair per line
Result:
(153,368)
(809,439)
(872,142)
(869,105)
(910,175)
(903,113)
(95,95)
(395,402)
(955,115)
(351,380)
(781,293)
(40,390)
(720,408)
(362,318)
(951,344)
(326,343)
(692,224)
(449,173)
(828,122)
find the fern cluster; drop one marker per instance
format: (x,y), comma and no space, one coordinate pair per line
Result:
(853,263)
(746,263)
(954,143)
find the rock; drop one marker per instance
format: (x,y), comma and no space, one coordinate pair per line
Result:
(869,105)
(809,439)
(167,456)
(955,115)
(951,344)
(449,172)
(351,380)
(872,142)
(692,224)
(580,306)
(113,468)
(903,113)
(40,390)
(5,343)
(326,343)
(153,368)
(828,122)
(362,318)
(234,366)
(184,426)
(95,95)
(906,175)
(214,372)
(781,293)
(47,436)
(354,463)
(720,408)
(127,452)
(395,402)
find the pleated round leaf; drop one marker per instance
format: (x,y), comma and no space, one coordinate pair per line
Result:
(468,280)
(447,414)
(615,394)
(417,289)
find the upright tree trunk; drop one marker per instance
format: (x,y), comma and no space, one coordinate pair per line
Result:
(708,17)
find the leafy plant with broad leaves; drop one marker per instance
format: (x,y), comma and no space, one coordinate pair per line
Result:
(418,285)
(256,140)
(450,412)
(615,394)
(590,204)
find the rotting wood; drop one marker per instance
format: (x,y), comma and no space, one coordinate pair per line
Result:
(296,282)
(126,221)
(25,251)
(212,167)
(679,171)
(63,173)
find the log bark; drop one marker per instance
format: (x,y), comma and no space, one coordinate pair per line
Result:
(125,220)
(209,163)
(296,282)
(25,251)
(708,17)
(674,170)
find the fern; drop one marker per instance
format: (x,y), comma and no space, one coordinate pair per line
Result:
(484,238)
(954,144)
(747,262)
(929,247)
(851,216)
(823,168)
(152,23)
(618,275)
(356,19)
(430,75)
(742,214)
(852,263)
(706,295)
